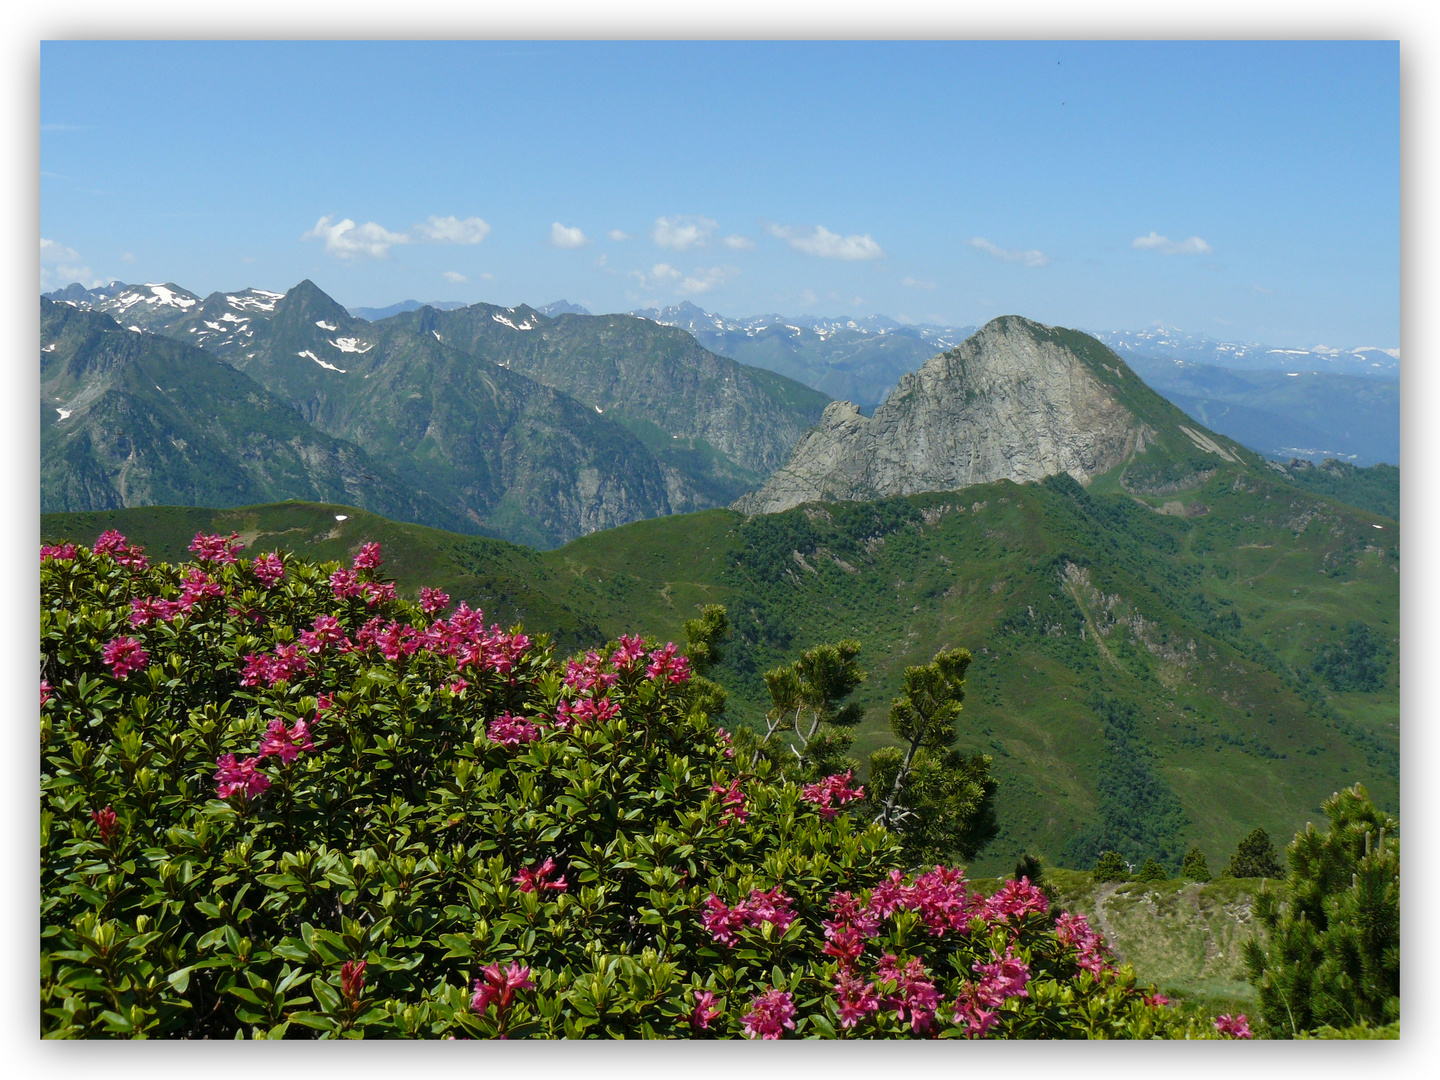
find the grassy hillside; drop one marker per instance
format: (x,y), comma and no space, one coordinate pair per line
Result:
(1142,670)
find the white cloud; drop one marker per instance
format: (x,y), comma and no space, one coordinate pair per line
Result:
(1163,244)
(455,277)
(827,245)
(664,272)
(807,297)
(127,257)
(452,230)
(346,240)
(702,281)
(914,283)
(61,265)
(1025,258)
(682,232)
(561,237)
(739,243)
(617,235)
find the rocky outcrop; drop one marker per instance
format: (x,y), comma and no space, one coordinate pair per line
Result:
(1014,401)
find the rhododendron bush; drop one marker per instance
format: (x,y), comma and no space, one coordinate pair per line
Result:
(279,800)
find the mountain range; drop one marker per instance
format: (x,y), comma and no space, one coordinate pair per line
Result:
(489,438)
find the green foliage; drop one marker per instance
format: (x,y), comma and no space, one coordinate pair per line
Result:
(1360,662)
(941,802)
(568,827)
(702,647)
(805,726)
(1111,866)
(1254,857)
(1329,957)
(1140,814)
(1376,488)
(1151,871)
(1195,868)
(1029,866)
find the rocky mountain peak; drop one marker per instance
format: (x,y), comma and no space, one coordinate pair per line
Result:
(1016,400)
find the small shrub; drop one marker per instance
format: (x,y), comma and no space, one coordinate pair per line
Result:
(1111,866)
(1255,857)
(1152,871)
(1195,868)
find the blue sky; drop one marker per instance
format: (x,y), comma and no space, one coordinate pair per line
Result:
(1245,191)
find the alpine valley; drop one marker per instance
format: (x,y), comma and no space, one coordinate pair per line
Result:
(1154,608)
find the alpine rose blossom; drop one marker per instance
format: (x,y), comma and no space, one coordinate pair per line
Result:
(771,1013)
(232,778)
(109,542)
(432,600)
(46,692)
(369,557)
(511,730)
(1237,1026)
(499,987)
(834,789)
(705,1010)
(123,655)
(216,548)
(267,568)
(105,822)
(58,552)
(538,879)
(285,742)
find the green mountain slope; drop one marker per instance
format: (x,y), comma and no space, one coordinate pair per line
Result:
(131,419)
(719,427)
(1143,674)
(512,457)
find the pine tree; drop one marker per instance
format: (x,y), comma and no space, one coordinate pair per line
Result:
(1195,868)
(1330,955)
(1152,871)
(1111,866)
(939,801)
(807,729)
(1255,857)
(702,648)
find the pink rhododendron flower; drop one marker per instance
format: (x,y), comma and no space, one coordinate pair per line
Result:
(969,1011)
(725,738)
(939,897)
(352,980)
(375,591)
(855,997)
(724,923)
(834,789)
(1004,978)
(499,987)
(1075,930)
(432,600)
(326,630)
(705,1010)
(147,609)
(915,993)
(1156,1000)
(582,676)
(46,692)
(233,777)
(664,663)
(195,586)
(770,1014)
(538,878)
(132,558)
(733,800)
(344,584)
(267,568)
(630,651)
(369,557)
(511,730)
(105,822)
(1237,1027)
(216,548)
(1016,899)
(285,742)
(58,552)
(124,655)
(109,542)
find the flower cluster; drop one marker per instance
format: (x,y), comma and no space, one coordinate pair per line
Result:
(770,1014)
(914,993)
(216,548)
(105,823)
(123,655)
(733,800)
(324,631)
(285,742)
(665,662)
(432,600)
(705,1010)
(1075,931)
(939,897)
(538,879)
(59,552)
(833,789)
(268,568)
(239,777)
(1237,1027)
(511,730)
(283,665)
(115,545)
(498,987)
(352,980)
(725,923)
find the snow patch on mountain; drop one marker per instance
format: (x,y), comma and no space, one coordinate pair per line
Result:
(329,367)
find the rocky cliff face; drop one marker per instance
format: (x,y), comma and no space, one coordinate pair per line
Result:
(1014,401)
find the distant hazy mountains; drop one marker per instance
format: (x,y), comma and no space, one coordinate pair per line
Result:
(468,410)
(1309,403)
(857,360)
(1015,401)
